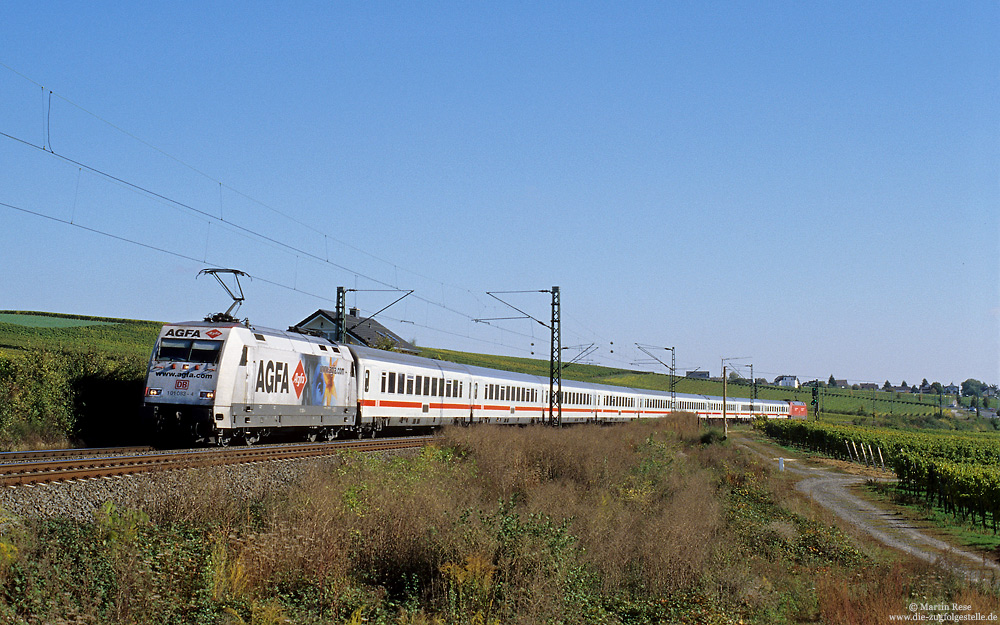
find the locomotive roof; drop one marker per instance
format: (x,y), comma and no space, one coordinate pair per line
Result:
(298,336)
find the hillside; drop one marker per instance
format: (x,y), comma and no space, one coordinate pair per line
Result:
(23,331)
(839,401)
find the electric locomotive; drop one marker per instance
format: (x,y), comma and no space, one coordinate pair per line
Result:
(220,382)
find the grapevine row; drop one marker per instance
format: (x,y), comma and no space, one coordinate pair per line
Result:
(957,472)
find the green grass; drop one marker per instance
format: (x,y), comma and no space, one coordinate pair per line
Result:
(627,525)
(26,331)
(839,403)
(963,531)
(45,320)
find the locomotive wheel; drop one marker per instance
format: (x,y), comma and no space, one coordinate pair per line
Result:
(251,437)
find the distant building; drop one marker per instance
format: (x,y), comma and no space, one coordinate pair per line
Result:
(790,381)
(360,330)
(868,386)
(841,383)
(698,375)
(951,389)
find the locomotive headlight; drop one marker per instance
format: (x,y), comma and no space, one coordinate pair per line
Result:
(208,394)
(153,392)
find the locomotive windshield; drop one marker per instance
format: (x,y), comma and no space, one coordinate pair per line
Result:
(188,350)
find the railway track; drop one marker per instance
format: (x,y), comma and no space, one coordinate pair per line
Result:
(85,464)
(7,457)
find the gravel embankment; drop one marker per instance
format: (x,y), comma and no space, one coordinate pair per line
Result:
(79,499)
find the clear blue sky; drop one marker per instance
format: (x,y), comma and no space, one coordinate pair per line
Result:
(815,186)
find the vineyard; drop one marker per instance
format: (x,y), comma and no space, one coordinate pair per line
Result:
(957,471)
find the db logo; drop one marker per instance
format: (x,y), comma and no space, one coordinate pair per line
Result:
(213,333)
(181,385)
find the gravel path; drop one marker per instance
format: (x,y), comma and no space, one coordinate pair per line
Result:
(832,489)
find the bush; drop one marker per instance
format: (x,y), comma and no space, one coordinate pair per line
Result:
(47,397)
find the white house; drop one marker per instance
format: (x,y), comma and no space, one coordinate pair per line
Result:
(787,380)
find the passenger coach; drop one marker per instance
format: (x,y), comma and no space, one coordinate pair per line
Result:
(222,382)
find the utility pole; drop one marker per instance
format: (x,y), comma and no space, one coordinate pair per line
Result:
(724,360)
(673,379)
(725,422)
(555,348)
(340,333)
(555,363)
(340,323)
(672,369)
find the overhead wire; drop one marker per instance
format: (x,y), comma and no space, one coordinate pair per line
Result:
(232,225)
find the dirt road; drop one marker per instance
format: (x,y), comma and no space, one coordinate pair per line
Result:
(832,489)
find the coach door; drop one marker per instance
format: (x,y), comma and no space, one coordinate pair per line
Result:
(249,381)
(473,400)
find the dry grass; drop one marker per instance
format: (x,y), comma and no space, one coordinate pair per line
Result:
(637,523)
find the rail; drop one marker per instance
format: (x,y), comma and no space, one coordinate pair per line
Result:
(104,465)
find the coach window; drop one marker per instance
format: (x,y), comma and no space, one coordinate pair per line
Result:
(434,387)
(419,385)
(427,385)
(367,374)
(447,388)
(409,385)
(392,381)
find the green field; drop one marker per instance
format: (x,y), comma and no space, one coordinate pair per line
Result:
(837,404)
(25,331)
(70,376)
(41,320)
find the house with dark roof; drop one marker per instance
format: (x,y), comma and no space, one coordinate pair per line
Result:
(360,330)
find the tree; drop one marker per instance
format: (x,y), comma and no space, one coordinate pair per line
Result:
(972,388)
(887,386)
(937,388)
(384,343)
(832,381)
